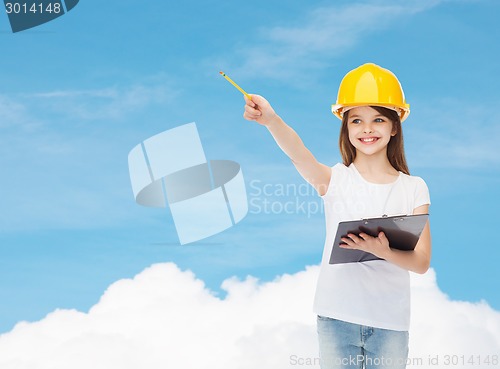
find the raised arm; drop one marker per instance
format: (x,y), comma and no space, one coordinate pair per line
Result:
(318,175)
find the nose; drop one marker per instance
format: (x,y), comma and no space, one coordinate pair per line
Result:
(367,128)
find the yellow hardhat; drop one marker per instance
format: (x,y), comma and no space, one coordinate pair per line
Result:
(370,84)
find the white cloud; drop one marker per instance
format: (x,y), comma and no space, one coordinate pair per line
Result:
(106,103)
(166,318)
(289,52)
(15,115)
(28,111)
(60,171)
(454,134)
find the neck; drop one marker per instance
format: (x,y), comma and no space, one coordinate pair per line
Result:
(375,167)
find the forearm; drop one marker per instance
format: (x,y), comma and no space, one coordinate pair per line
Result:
(419,259)
(259,110)
(413,261)
(288,140)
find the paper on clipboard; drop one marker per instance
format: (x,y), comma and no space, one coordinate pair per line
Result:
(402,232)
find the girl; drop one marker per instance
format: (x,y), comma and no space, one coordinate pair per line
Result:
(363,308)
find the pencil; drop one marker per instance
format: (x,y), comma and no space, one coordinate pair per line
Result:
(235,85)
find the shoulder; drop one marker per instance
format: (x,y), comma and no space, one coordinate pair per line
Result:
(414,181)
(339,173)
(417,187)
(340,169)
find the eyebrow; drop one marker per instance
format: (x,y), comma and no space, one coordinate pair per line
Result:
(359,116)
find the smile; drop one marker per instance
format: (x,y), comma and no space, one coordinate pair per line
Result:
(369,140)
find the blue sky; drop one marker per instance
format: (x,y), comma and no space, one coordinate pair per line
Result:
(77,94)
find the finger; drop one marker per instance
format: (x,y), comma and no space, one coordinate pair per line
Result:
(345,245)
(255,98)
(382,236)
(353,237)
(249,101)
(250,116)
(365,236)
(348,244)
(252,111)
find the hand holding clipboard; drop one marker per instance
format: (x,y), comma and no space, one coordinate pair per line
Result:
(402,232)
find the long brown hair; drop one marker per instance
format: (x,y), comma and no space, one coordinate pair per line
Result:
(395,148)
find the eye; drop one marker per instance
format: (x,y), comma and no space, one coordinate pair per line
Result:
(356,121)
(379,120)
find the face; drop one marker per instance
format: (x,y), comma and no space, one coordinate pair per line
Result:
(369,131)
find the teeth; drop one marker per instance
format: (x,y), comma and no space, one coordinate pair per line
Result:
(368,139)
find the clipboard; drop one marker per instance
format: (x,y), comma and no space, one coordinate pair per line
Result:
(402,231)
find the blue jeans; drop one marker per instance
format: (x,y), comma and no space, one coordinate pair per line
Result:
(348,345)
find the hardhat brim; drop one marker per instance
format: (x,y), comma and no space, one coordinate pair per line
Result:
(339,109)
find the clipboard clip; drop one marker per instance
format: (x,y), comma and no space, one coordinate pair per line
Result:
(366,221)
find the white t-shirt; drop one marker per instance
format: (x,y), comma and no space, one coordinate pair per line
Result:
(373,293)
